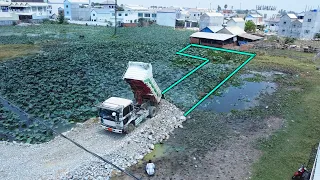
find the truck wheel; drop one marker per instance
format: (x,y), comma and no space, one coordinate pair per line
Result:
(152,111)
(130,128)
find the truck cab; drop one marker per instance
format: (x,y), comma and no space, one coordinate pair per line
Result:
(115,114)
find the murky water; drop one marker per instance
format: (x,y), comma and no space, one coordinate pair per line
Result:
(238,98)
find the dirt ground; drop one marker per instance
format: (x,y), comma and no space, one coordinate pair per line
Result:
(229,159)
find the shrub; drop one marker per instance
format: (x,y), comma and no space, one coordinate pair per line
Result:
(289,40)
(250,27)
(14,23)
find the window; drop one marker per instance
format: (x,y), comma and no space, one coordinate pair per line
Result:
(67,12)
(294,26)
(112,14)
(67,6)
(283,30)
(194,15)
(309,20)
(285,22)
(93,15)
(126,111)
(120,14)
(126,14)
(147,15)
(140,14)
(130,21)
(50,12)
(109,6)
(265,16)
(307,31)
(154,15)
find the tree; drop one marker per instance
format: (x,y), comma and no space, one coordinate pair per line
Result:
(225,6)
(250,27)
(219,8)
(61,17)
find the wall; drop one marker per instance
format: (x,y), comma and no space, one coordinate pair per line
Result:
(166,19)
(206,21)
(309,29)
(194,40)
(82,14)
(67,10)
(284,26)
(54,8)
(233,23)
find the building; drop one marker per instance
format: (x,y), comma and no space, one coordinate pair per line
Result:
(211,19)
(257,19)
(167,17)
(236,22)
(109,4)
(234,30)
(272,24)
(285,25)
(29,10)
(212,29)
(77,10)
(213,39)
(101,15)
(54,7)
(194,14)
(311,24)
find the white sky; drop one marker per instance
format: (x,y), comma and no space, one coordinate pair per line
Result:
(294,5)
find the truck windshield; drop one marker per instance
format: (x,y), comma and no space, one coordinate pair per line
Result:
(107,114)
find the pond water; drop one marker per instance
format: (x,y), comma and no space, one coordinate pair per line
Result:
(238,98)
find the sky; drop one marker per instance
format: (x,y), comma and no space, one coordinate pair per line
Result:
(294,5)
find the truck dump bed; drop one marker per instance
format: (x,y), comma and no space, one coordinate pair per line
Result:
(140,77)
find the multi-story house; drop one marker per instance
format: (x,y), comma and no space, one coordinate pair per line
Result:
(289,26)
(311,24)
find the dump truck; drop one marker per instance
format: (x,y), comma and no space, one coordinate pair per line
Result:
(121,115)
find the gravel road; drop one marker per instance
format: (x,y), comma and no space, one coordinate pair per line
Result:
(60,159)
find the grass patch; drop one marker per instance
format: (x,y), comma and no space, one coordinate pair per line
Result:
(16,50)
(288,148)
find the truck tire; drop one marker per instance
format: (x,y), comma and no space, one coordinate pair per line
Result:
(130,128)
(152,111)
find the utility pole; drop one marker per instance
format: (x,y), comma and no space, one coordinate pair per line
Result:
(115,18)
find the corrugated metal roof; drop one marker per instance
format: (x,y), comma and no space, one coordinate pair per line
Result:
(107,2)
(292,16)
(167,11)
(214,14)
(213,36)
(256,15)
(237,19)
(215,28)
(235,30)
(250,36)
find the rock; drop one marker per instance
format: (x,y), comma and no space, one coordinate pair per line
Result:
(138,157)
(180,126)
(194,158)
(150,137)
(151,146)
(183,118)
(195,166)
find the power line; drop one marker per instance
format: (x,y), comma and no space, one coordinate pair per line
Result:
(77,144)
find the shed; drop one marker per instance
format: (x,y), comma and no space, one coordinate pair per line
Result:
(213,39)
(212,29)
(236,22)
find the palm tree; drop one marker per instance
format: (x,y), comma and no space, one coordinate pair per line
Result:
(225,6)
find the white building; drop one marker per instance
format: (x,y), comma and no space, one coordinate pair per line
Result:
(108,4)
(167,17)
(236,22)
(286,28)
(75,10)
(272,24)
(108,15)
(54,6)
(311,24)
(101,15)
(211,19)
(29,10)
(255,18)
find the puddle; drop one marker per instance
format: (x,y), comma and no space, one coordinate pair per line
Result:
(238,98)
(161,150)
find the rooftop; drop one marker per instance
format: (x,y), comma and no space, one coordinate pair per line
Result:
(102,11)
(235,30)
(237,19)
(108,2)
(214,14)
(213,36)
(255,15)
(115,102)
(292,16)
(215,28)
(250,36)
